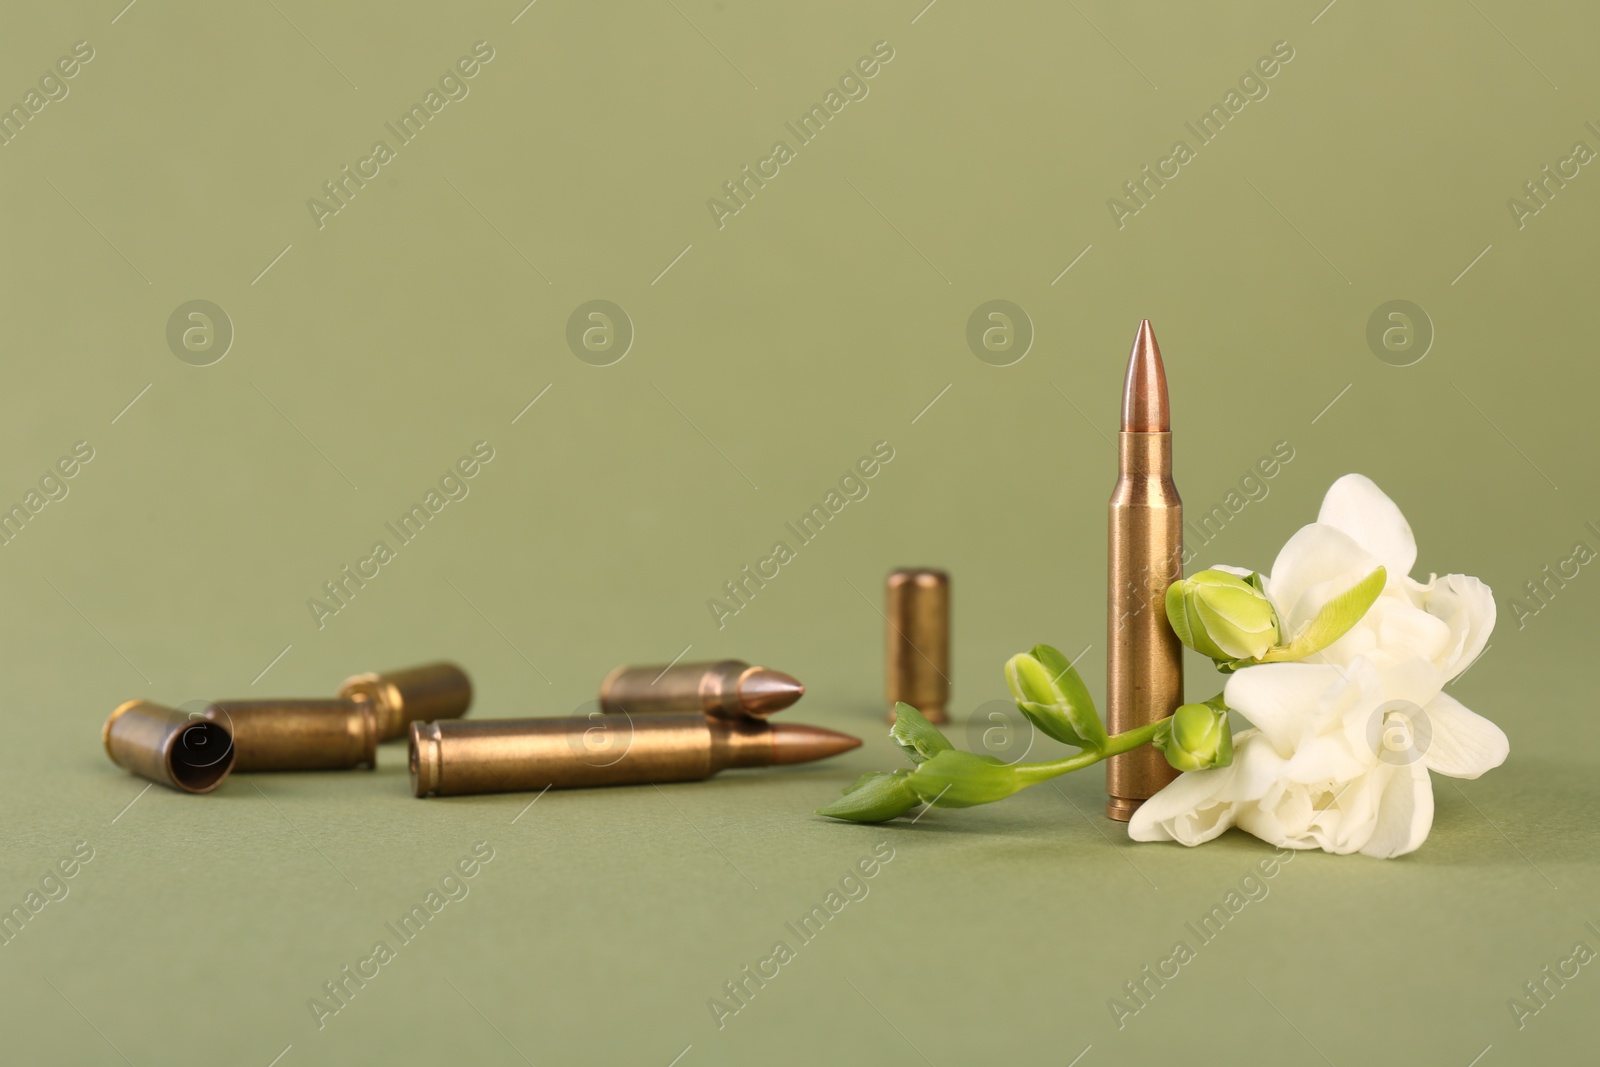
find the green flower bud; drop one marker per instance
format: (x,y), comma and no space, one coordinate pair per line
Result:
(1222,615)
(1049,692)
(1029,681)
(1196,737)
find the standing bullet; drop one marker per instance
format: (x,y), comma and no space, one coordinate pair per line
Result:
(917,606)
(187,753)
(399,698)
(299,735)
(1144,665)
(730,689)
(519,755)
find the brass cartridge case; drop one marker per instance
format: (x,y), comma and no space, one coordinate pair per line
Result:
(729,689)
(1144,662)
(518,755)
(179,750)
(299,735)
(416,694)
(917,605)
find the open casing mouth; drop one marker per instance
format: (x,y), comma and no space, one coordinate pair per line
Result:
(179,750)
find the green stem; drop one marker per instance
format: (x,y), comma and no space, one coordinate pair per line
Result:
(1116,744)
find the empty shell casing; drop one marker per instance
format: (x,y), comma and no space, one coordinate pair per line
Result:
(299,735)
(730,689)
(917,603)
(416,694)
(169,746)
(517,755)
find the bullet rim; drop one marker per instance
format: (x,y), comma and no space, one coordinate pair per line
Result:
(1121,809)
(116,713)
(371,733)
(423,755)
(381,696)
(385,690)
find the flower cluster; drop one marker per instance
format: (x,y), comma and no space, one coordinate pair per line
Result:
(1345,731)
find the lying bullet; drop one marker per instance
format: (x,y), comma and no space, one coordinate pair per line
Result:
(519,755)
(299,735)
(730,689)
(165,745)
(399,698)
(917,605)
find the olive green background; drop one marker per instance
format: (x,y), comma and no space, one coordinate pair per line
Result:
(768,356)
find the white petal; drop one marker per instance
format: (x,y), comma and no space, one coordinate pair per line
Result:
(1350,811)
(1466,606)
(1463,743)
(1401,626)
(1281,699)
(1326,758)
(1408,677)
(1405,814)
(1371,697)
(1317,564)
(1257,767)
(1286,819)
(1339,816)
(1242,572)
(1357,506)
(1268,826)
(1188,810)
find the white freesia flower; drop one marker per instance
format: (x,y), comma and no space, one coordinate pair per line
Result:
(1445,621)
(1344,741)
(1326,768)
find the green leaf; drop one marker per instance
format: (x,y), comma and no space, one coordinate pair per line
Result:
(1076,703)
(956,779)
(869,776)
(875,797)
(1333,621)
(919,737)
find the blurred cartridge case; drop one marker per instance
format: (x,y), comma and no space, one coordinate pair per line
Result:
(399,698)
(175,748)
(1144,664)
(519,755)
(729,689)
(917,604)
(299,735)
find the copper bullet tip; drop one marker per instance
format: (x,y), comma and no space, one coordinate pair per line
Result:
(1144,393)
(798,743)
(763,691)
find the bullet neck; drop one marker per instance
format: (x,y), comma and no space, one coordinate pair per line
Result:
(1144,452)
(737,743)
(1144,469)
